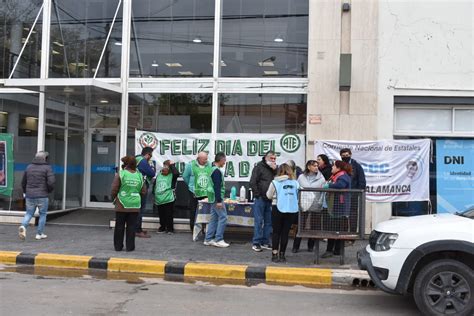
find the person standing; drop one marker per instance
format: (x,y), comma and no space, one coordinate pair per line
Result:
(339,210)
(164,191)
(324,166)
(357,182)
(262,175)
(148,171)
(196,176)
(285,188)
(128,190)
(216,227)
(37,182)
(310,179)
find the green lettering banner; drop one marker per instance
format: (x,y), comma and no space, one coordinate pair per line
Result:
(243,151)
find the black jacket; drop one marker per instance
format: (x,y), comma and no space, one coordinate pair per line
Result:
(358,176)
(326,171)
(38,179)
(262,176)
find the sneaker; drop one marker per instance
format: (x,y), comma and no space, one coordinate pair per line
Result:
(327,254)
(275,257)
(170,232)
(221,244)
(22,232)
(282,257)
(209,243)
(267,246)
(161,231)
(257,248)
(42,236)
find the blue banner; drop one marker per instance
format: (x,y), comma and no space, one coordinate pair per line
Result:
(455,175)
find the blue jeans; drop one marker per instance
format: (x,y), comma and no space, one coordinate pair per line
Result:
(31,204)
(216,226)
(262,213)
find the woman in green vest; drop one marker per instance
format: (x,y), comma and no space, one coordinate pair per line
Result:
(164,192)
(127,193)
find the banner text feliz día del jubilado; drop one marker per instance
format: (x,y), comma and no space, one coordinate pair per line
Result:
(243,151)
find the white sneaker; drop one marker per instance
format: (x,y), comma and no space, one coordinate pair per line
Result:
(221,244)
(42,236)
(22,232)
(209,243)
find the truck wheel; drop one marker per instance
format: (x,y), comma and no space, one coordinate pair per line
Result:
(445,287)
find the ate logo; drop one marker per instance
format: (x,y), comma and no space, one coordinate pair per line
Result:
(161,186)
(202,181)
(290,143)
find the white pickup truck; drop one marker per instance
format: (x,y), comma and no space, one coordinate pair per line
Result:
(430,257)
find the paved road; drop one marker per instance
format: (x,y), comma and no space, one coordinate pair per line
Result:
(48,293)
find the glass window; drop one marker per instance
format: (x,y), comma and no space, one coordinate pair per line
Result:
(434,120)
(55,146)
(172,38)
(264,38)
(19,116)
(75,169)
(169,113)
(262,113)
(78,34)
(16,20)
(55,111)
(464,120)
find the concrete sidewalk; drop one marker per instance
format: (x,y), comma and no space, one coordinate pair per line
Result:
(97,242)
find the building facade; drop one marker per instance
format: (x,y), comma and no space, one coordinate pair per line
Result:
(78,78)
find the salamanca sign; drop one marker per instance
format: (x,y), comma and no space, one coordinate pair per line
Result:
(243,151)
(395,170)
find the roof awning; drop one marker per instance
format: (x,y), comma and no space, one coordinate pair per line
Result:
(62,85)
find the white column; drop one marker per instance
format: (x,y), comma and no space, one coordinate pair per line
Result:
(216,65)
(45,39)
(124,73)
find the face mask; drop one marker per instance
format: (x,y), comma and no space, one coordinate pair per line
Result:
(346,159)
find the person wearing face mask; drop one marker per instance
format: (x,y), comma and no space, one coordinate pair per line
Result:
(262,175)
(357,182)
(358,175)
(164,192)
(196,176)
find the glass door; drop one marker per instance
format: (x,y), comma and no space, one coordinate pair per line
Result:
(103,160)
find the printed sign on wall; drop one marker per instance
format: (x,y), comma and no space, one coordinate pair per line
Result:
(454,175)
(243,151)
(6,164)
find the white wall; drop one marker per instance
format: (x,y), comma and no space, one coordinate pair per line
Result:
(425,48)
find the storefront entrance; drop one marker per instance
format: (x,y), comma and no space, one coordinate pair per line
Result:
(103,161)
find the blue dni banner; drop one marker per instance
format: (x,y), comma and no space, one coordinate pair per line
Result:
(455,175)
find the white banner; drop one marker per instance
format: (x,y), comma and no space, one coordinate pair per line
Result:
(243,151)
(395,170)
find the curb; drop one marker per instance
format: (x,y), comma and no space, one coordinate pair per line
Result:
(196,270)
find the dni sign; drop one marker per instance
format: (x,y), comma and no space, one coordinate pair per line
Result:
(455,160)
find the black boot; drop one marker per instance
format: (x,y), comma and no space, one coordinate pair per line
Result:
(282,257)
(275,257)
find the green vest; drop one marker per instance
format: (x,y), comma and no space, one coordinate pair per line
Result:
(202,179)
(139,158)
(211,196)
(164,193)
(130,187)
